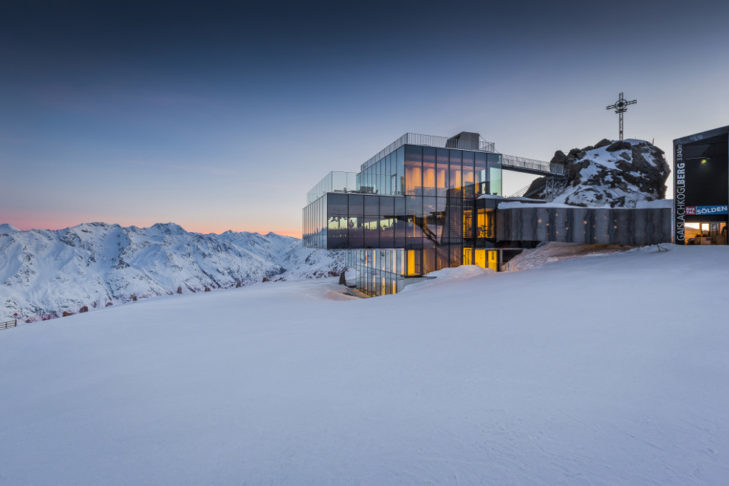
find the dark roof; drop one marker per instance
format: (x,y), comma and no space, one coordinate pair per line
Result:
(702,135)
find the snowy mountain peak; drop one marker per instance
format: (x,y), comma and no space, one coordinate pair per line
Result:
(6,228)
(47,273)
(615,173)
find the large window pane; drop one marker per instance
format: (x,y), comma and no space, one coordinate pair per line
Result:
(481,177)
(441,172)
(414,210)
(485,223)
(468,175)
(356,226)
(494,163)
(387,222)
(431,231)
(401,224)
(413,171)
(467,223)
(428,171)
(400,170)
(429,260)
(454,181)
(371,220)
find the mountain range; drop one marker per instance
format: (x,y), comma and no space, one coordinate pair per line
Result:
(52,273)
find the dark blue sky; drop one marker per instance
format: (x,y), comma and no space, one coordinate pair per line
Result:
(221,116)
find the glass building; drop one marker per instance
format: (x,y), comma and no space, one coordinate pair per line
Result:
(417,206)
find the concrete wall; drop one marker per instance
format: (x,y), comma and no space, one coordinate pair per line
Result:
(585,225)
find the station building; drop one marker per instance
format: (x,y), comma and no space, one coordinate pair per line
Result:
(701,187)
(425,202)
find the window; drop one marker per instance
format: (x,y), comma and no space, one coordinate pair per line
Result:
(400,170)
(485,223)
(413,171)
(468,175)
(441,172)
(430,228)
(387,222)
(429,260)
(371,220)
(467,255)
(467,223)
(428,171)
(455,169)
(355,224)
(494,164)
(401,224)
(481,172)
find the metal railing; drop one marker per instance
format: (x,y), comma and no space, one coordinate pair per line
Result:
(8,324)
(531,164)
(422,139)
(334,181)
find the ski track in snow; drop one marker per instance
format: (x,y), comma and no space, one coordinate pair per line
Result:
(609,370)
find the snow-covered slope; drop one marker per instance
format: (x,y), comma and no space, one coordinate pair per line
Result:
(46,273)
(607,370)
(612,173)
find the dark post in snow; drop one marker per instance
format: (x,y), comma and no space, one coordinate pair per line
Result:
(620,107)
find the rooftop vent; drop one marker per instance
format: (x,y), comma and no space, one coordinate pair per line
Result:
(464,141)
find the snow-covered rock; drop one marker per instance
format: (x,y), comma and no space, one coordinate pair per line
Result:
(47,273)
(611,173)
(7,228)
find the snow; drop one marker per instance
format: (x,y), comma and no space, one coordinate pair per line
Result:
(600,370)
(603,182)
(46,273)
(7,229)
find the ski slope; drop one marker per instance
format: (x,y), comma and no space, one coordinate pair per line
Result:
(607,369)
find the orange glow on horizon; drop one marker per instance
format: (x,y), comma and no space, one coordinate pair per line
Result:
(39,222)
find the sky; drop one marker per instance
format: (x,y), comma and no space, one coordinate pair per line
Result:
(221,116)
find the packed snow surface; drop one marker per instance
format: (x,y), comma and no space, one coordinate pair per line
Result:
(93,265)
(595,370)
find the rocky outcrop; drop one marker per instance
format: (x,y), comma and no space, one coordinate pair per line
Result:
(610,173)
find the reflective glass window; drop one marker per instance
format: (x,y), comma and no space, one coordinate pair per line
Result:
(429,260)
(468,174)
(400,169)
(480,171)
(454,181)
(401,224)
(414,210)
(441,172)
(371,221)
(442,255)
(387,222)
(414,262)
(467,255)
(355,224)
(428,171)
(467,223)
(494,164)
(431,229)
(413,170)
(456,256)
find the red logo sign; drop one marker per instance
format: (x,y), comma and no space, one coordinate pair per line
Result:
(690,210)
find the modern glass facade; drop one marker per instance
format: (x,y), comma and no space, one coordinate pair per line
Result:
(415,210)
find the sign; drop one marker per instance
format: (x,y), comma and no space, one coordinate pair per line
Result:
(679,197)
(705,210)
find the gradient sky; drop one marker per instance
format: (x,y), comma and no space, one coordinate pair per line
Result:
(222,115)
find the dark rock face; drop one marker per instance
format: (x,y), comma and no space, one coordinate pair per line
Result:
(612,173)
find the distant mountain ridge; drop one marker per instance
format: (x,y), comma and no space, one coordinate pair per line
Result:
(46,273)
